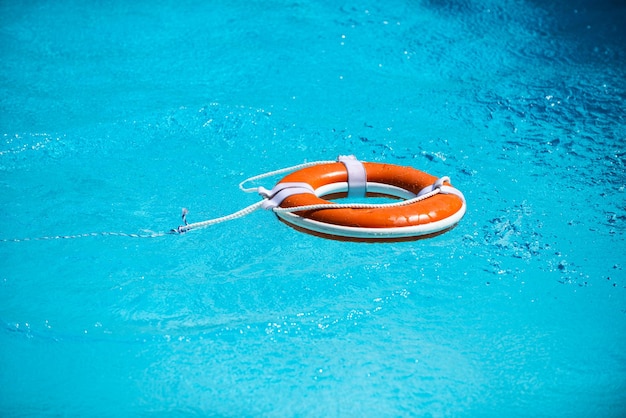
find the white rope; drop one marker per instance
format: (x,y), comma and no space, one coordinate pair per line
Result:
(88,234)
(239,214)
(276,172)
(357,205)
(187,227)
(246,211)
(252,208)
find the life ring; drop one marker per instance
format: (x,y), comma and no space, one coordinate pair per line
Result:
(432,206)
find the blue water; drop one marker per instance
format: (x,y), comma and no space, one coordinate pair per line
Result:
(115,115)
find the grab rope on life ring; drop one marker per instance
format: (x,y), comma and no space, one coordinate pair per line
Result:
(428,205)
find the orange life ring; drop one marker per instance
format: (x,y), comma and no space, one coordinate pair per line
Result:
(437,213)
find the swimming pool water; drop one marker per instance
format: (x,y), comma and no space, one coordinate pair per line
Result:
(116,115)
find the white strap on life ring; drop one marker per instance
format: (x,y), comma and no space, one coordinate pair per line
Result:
(357,176)
(280,192)
(442,188)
